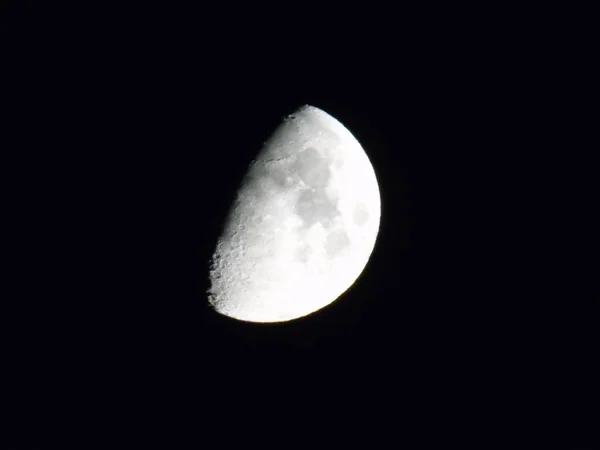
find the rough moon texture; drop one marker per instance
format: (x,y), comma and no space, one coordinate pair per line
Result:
(303,225)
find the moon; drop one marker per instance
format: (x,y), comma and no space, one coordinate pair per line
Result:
(303,225)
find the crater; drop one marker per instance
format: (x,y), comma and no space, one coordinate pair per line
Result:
(336,242)
(360,214)
(312,168)
(280,175)
(303,253)
(315,206)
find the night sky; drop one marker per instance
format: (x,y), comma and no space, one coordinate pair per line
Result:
(130,129)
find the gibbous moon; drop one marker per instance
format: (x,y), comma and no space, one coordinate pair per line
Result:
(303,225)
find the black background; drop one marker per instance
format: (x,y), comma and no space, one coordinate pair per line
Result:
(129,129)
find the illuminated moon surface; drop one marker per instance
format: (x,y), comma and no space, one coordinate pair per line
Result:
(303,225)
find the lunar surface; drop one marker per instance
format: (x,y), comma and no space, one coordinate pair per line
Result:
(303,225)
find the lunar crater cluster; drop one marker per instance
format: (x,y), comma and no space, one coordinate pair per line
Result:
(303,225)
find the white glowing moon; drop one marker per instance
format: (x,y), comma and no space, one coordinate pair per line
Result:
(303,226)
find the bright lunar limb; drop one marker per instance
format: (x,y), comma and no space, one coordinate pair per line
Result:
(303,225)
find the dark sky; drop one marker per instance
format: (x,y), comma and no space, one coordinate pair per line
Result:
(129,131)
